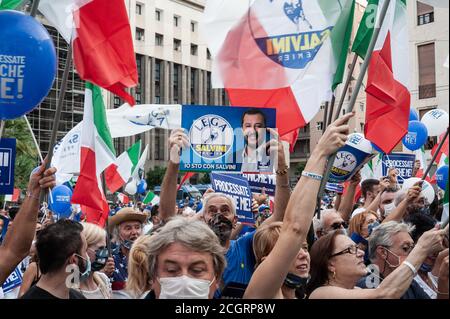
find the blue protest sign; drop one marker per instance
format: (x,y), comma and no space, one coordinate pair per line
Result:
(27,64)
(350,158)
(236,187)
(14,280)
(416,137)
(442,176)
(404,163)
(7,161)
(4,227)
(259,181)
(61,205)
(225,139)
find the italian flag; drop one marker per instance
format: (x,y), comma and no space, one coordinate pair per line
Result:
(123,198)
(9,4)
(14,197)
(120,172)
(288,55)
(99,31)
(151,198)
(388,98)
(97,153)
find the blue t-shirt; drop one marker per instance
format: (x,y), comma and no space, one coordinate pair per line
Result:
(245,230)
(240,260)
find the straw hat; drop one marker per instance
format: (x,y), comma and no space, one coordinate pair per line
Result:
(124,215)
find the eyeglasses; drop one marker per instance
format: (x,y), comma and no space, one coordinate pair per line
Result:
(339,225)
(349,250)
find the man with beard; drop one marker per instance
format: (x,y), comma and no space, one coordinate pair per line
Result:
(126,226)
(219,211)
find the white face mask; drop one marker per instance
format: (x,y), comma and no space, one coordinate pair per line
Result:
(184,287)
(388,208)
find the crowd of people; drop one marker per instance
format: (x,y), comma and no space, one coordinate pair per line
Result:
(388,244)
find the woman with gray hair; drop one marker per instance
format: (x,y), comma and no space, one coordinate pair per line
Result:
(182,260)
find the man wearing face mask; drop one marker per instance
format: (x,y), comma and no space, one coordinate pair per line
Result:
(219,211)
(404,205)
(126,226)
(63,261)
(389,246)
(387,204)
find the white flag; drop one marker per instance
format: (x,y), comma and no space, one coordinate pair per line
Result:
(128,121)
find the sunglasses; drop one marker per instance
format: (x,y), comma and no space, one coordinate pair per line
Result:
(340,225)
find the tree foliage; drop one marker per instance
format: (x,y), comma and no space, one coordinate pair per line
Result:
(155,176)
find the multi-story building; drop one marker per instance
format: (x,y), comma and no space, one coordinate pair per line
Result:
(174,66)
(428,47)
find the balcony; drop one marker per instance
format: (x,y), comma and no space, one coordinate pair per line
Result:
(427,91)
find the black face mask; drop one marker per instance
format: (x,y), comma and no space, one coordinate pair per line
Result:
(420,210)
(101,257)
(222,227)
(295,282)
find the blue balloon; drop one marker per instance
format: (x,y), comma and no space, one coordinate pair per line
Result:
(61,201)
(413,115)
(27,64)
(142,187)
(416,137)
(442,176)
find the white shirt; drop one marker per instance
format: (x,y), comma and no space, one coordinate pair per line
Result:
(430,292)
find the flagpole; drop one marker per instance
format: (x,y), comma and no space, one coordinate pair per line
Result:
(346,86)
(331,111)
(34,138)
(441,144)
(325,117)
(108,239)
(358,85)
(34,8)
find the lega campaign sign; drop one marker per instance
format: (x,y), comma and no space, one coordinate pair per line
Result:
(7,161)
(27,63)
(231,139)
(236,187)
(404,163)
(14,280)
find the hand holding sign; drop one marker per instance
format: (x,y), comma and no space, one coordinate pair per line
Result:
(178,140)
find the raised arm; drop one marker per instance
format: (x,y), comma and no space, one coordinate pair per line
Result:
(396,284)
(282,190)
(177,141)
(17,243)
(345,208)
(398,213)
(384,183)
(270,274)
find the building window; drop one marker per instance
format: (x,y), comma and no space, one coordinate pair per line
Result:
(361,106)
(362,127)
(209,95)
(176,82)
(158,15)
(425,13)
(117,102)
(193,26)
(176,21)
(322,106)
(427,71)
(208,54)
(158,81)
(193,86)
(139,8)
(194,49)
(140,34)
(319,126)
(177,45)
(159,39)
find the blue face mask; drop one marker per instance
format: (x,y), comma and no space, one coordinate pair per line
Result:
(372,226)
(85,269)
(126,244)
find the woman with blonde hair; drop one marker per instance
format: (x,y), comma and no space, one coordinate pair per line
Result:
(182,260)
(95,285)
(359,229)
(295,282)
